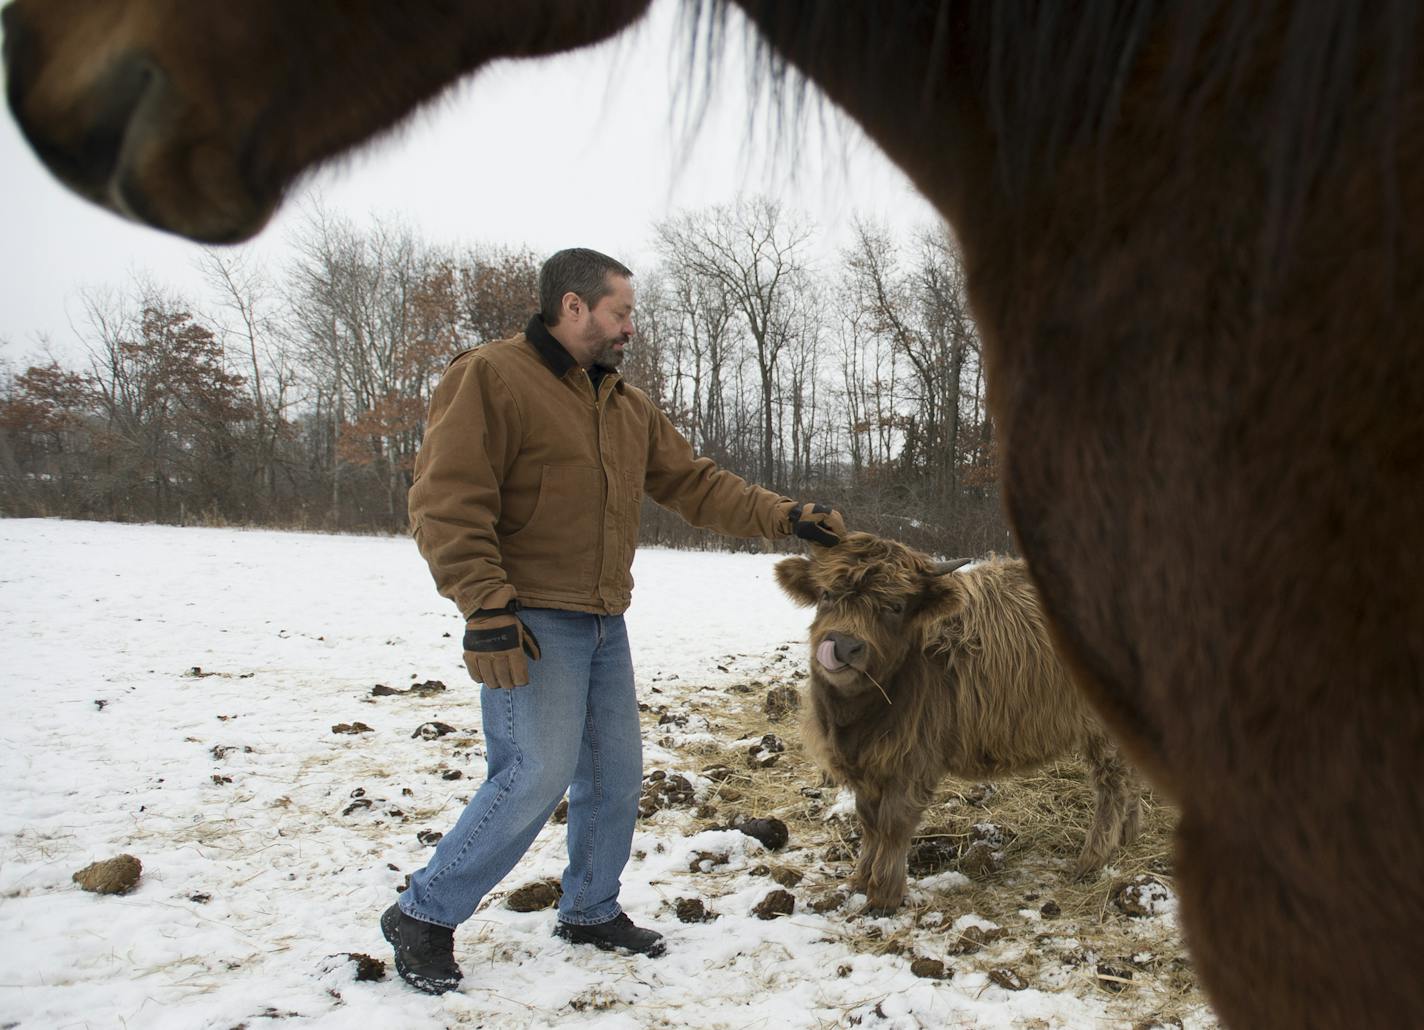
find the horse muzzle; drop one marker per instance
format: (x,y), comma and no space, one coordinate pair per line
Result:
(121,138)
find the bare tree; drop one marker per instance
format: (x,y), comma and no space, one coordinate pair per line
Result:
(799,391)
(922,314)
(758,256)
(246,324)
(699,317)
(651,361)
(378,314)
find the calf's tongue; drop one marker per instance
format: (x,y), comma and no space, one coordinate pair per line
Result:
(826,655)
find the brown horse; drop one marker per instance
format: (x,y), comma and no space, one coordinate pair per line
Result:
(1195,238)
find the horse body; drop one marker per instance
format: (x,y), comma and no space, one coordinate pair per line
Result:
(1220,500)
(1194,246)
(1215,467)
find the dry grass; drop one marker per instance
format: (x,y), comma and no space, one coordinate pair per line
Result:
(1138,967)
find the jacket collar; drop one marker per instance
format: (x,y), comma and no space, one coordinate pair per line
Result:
(548,348)
(553,354)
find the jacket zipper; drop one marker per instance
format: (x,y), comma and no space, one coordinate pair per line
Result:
(607,487)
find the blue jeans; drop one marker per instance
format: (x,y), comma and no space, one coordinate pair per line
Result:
(574,727)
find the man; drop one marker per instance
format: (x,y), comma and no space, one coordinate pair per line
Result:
(526,505)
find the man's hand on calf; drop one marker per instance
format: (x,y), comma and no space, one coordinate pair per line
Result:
(496,643)
(818,523)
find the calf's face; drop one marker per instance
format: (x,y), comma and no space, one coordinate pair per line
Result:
(874,599)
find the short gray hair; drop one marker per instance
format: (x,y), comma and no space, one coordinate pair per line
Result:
(576,270)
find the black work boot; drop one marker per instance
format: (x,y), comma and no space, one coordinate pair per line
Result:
(618,934)
(425,953)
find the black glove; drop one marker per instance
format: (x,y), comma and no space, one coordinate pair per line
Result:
(818,523)
(496,642)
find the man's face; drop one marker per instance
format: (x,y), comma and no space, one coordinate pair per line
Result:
(608,325)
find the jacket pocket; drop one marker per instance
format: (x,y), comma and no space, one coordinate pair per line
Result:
(557,549)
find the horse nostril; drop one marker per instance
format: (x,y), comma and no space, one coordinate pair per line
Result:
(121,89)
(84,148)
(20,58)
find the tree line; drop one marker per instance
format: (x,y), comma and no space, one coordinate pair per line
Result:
(297,396)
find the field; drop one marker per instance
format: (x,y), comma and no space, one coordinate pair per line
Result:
(205,700)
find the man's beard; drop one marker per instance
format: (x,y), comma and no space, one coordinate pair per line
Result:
(608,355)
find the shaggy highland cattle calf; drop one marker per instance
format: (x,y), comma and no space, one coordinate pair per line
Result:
(918,673)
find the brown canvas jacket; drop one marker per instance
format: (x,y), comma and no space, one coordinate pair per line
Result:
(528,485)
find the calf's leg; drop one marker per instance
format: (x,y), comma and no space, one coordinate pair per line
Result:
(1115,811)
(867,808)
(894,820)
(1132,819)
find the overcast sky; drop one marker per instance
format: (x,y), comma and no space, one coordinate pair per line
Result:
(588,149)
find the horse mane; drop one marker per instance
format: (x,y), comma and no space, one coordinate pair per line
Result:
(1051,77)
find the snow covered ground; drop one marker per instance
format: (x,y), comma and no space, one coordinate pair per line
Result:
(170,693)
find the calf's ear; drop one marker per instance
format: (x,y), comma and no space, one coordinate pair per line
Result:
(940,596)
(794,577)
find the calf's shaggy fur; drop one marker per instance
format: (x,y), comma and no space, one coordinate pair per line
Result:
(919,672)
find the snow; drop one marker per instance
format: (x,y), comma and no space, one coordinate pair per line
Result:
(222,659)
